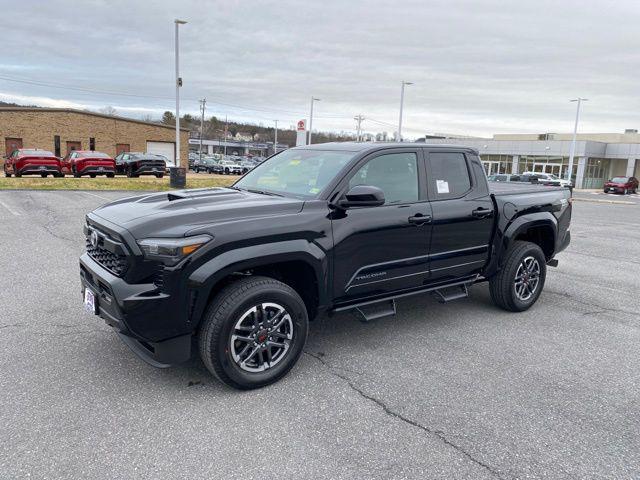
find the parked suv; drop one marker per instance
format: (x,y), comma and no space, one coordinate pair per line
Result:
(622,185)
(320,228)
(32,161)
(87,162)
(207,164)
(134,164)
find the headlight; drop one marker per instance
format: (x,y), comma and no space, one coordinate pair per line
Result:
(170,251)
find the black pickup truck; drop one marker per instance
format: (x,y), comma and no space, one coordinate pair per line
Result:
(237,273)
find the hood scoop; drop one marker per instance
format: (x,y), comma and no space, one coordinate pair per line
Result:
(175,196)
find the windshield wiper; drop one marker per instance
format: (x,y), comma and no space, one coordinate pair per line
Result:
(263,192)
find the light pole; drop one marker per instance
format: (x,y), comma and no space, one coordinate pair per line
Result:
(313,99)
(399,139)
(203,104)
(275,139)
(178,85)
(359,119)
(572,149)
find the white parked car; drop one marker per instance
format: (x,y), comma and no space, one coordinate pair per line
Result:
(550,179)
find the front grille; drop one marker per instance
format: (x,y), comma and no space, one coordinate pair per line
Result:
(116,264)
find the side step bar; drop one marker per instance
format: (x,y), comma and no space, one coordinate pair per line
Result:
(450,294)
(383,307)
(374,311)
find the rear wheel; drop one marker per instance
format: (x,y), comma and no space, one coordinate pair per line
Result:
(253,333)
(92,175)
(519,284)
(43,175)
(111,175)
(6,174)
(18,174)
(159,175)
(75,173)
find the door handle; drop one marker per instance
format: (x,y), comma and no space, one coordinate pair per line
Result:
(482,212)
(420,219)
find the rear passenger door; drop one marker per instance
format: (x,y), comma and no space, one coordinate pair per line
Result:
(462,215)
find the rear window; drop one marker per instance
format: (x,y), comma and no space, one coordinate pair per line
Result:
(94,155)
(448,175)
(40,153)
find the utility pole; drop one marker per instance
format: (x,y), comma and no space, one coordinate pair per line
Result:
(359,119)
(572,149)
(275,140)
(203,104)
(178,85)
(399,139)
(226,125)
(313,99)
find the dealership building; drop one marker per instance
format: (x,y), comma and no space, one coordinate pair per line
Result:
(597,156)
(61,130)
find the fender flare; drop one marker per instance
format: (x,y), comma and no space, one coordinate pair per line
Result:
(519,225)
(205,278)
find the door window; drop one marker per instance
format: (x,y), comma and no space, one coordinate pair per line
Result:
(449,175)
(396,174)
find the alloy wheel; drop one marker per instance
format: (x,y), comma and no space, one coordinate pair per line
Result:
(261,337)
(527,278)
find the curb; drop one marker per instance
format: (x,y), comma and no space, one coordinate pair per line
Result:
(609,202)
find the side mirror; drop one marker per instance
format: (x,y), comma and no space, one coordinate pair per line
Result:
(362,196)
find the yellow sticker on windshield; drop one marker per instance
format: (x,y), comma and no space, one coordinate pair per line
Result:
(314,190)
(294,162)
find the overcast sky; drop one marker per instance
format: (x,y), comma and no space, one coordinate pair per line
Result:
(478,67)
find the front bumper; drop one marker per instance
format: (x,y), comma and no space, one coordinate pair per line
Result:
(136,311)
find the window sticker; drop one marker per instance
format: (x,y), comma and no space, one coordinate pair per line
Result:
(442,186)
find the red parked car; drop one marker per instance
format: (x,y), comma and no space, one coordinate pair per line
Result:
(31,161)
(87,162)
(622,185)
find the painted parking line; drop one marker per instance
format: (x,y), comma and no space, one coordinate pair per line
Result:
(97,196)
(11,210)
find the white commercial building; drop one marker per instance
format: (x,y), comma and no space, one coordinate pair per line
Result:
(598,156)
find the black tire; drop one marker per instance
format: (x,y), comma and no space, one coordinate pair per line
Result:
(159,175)
(219,324)
(43,175)
(226,171)
(111,175)
(92,175)
(8,175)
(75,173)
(18,174)
(502,286)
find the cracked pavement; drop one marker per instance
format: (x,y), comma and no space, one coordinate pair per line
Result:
(462,390)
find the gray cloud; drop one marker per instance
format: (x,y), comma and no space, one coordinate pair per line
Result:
(479,67)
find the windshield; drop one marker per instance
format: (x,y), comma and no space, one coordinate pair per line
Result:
(299,173)
(619,180)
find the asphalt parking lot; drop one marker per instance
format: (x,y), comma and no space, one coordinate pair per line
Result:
(462,390)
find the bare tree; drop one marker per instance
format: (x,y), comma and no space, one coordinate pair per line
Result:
(109,110)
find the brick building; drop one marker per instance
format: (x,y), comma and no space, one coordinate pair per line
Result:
(61,130)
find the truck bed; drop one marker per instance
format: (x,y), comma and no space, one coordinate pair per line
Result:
(515,188)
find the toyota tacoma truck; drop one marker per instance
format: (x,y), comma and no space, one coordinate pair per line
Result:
(237,273)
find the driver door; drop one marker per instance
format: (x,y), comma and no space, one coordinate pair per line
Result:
(382,249)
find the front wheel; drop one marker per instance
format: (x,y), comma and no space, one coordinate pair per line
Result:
(520,281)
(253,333)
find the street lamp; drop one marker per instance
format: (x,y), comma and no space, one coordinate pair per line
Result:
(313,99)
(178,85)
(572,149)
(275,139)
(399,139)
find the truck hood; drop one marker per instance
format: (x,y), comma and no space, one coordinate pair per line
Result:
(189,212)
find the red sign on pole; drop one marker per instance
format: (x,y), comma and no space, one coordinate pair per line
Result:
(302,125)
